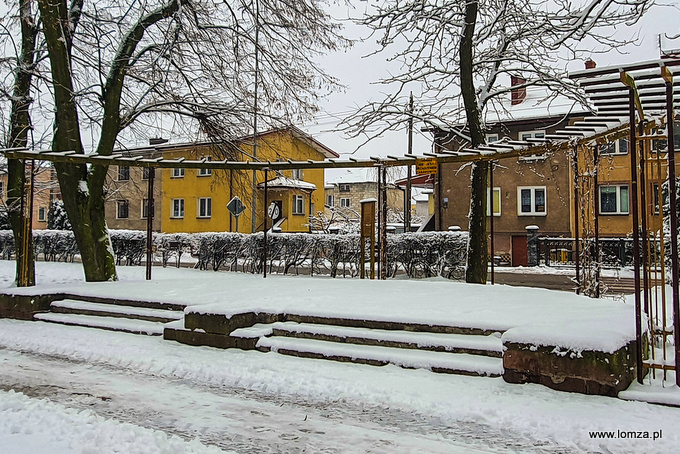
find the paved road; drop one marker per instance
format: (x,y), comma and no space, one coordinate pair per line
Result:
(245,421)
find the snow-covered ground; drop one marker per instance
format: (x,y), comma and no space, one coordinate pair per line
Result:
(142,393)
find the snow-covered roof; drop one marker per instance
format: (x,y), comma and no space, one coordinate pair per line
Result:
(288,183)
(540,102)
(357,175)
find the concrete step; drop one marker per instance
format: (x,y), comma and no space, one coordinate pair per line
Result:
(107,323)
(125,302)
(70,306)
(484,345)
(442,362)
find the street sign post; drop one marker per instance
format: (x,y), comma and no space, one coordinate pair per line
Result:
(236,207)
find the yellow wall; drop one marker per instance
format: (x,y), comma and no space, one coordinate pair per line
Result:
(221,187)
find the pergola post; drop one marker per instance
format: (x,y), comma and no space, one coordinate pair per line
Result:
(149,222)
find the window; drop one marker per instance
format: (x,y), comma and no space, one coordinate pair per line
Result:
(531,201)
(204,207)
(617,147)
(177,208)
(298,204)
(205,172)
(146,171)
(526,135)
(42,214)
(123,209)
(145,209)
(344,203)
(496,202)
(123,173)
(330,200)
(614,199)
(297,174)
(178,173)
(344,188)
(491,138)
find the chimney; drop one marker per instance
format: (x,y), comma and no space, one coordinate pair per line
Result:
(518,94)
(590,64)
(157,141)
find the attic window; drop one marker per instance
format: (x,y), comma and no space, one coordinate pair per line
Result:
(344,188)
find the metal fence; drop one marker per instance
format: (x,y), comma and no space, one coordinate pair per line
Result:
(614,252)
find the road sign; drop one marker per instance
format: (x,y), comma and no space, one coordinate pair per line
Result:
(236,207)
(274,211)
(426,166)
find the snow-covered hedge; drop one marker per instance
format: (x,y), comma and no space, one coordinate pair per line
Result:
(417,254)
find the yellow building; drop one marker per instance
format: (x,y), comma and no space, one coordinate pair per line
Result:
(195,200)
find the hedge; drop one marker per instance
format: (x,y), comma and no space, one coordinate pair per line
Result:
(418,255)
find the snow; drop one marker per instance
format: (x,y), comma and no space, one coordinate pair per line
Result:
(527,315)
(355,175)
(532,414)
(37,426)
(283,182)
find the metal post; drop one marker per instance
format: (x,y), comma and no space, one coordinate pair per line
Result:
(491,222)
(379,215)
(670,127)
(266,214)
(407,194)
(596,214)
(149,223)
(383,213)
(253,209)
(577,206)
(636,234)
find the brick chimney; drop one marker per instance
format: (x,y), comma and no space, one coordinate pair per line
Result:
(590,64)
(518,94)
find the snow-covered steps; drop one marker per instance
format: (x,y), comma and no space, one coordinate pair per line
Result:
(453,363)
(115,310)
(468,354)
(483,345)
(138,317)
(109,323)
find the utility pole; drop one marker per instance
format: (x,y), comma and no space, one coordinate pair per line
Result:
(253,207)
(407,193)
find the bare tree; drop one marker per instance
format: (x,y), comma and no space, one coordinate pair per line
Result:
(456,52)
(118,65)
(20,63)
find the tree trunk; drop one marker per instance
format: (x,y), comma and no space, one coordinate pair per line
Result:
(83,201)
(20,125)
(477,244)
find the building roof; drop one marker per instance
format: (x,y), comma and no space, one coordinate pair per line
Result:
(288,183)
(358,175)
(295,131)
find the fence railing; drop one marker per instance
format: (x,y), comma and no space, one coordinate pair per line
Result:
(614,252)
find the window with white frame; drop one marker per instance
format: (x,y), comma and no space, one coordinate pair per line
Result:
(204,207)
(526,135)
(145,209)
(492,138)
(330,200)
(123,173)
(344,188)
(344,203)
(298,204)
(614,199)
(616,147)
(495,199)
(178,173)
(297,174)
(42,214)
(123,209)
(531,201)
(205,172)
(177,208)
